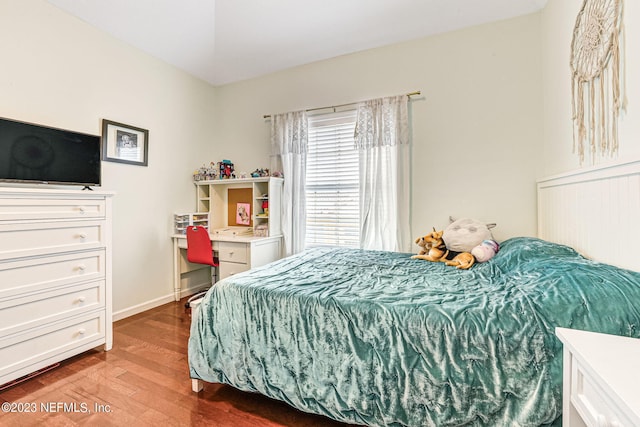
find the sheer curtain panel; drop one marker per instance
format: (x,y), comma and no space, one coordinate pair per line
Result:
(382,137)
(289,139)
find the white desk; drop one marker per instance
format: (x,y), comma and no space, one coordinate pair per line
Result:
(601,379)
(235,253)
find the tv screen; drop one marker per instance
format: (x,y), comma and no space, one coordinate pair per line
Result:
(33,153)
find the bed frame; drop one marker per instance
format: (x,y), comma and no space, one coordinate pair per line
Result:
(596,211)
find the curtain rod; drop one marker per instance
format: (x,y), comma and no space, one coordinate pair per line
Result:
(268,116)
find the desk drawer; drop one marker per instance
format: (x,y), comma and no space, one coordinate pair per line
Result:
(22,350)
(230,268)
(32,310)
(44,273)
(50,238)
(233,252)
(42,208)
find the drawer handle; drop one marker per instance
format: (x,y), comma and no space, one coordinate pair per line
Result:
(81,209)
(80,300)
(231,253)
(81,268)
(81,331)
(82,236)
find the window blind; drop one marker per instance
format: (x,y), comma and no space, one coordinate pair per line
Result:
(333,216)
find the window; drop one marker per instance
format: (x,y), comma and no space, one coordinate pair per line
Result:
(333,216)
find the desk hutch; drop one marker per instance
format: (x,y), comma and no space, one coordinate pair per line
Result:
(236,252)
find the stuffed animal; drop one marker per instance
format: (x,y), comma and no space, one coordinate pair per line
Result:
(431,247)
(434,249)
(464,234)
(485,250)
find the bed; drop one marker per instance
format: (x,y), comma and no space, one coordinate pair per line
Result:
(376,338)
(411,343)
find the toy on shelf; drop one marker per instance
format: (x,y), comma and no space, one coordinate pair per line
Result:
(226,169)
(259,173)
(205,173)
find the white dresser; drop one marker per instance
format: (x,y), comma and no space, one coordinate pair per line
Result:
(601,379)
(55,276)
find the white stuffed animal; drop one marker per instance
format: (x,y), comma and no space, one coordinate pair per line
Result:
(485,250)
(464,234)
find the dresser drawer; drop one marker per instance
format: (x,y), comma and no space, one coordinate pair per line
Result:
(25,350)
(32,310)
(25,209)
(233,252)
(49,238)
(43,273)
(591,401)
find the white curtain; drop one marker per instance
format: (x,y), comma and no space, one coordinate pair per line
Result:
(382,136)
(289,139)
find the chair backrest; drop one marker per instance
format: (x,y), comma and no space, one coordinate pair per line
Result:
(199,246)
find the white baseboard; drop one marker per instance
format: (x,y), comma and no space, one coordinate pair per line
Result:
(130,311)
(139,308)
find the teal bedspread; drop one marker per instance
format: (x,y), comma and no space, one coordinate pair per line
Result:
(377,338)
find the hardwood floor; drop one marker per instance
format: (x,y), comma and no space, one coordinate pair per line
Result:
(142,381)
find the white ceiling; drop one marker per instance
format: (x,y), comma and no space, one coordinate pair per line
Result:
(222,41)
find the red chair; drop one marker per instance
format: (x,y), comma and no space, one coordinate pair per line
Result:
(199,251)
(199,248)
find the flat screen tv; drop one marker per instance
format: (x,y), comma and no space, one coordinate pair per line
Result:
(39,154)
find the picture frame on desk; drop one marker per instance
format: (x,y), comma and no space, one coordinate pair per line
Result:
(124,143)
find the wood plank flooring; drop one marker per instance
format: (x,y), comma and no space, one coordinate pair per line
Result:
(142,381)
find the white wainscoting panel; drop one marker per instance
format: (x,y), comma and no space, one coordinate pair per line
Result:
(594,210)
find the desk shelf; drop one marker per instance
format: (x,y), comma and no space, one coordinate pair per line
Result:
(213,198)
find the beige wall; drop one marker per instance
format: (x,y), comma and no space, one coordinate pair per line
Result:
(58,71)
(476,128)
(558,20)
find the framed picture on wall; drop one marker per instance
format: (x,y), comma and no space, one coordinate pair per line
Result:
(124,143)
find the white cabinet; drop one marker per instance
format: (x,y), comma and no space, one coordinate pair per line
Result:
(239,256)
(601,379)
(55,276)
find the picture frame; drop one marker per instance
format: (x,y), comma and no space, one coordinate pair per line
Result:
(243,214)
(124,143)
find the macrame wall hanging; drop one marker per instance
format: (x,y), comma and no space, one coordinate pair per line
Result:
(596,77)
